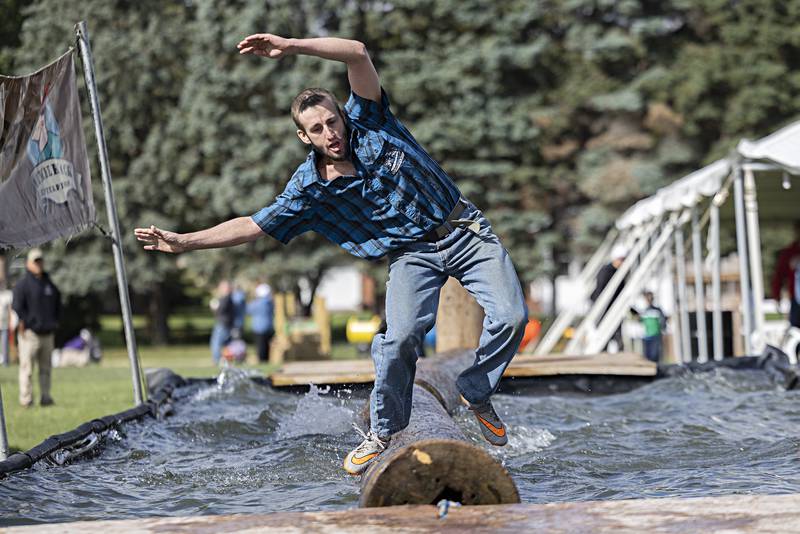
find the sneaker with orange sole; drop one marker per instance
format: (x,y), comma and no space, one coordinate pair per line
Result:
(359,458)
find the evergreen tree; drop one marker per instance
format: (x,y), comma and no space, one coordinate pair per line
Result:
(139,53)
(553,116)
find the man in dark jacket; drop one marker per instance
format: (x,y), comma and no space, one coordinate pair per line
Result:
(37,303)
(604,276)
(787,276)
(224,320)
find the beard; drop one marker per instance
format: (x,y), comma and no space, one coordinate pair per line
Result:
(323,152)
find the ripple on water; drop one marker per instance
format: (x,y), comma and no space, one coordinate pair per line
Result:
(238,447)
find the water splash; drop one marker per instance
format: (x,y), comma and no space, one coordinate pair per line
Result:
(230,377)
(317,413)
(524,440)
(229,381)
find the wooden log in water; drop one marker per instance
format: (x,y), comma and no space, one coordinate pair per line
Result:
(438,374)
(431,460)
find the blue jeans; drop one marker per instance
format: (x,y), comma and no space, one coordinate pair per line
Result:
(416,275)
(219,336)
(653,348)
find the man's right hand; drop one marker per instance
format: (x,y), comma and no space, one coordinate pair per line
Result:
(161,240)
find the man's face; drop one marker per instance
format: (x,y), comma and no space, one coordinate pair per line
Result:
(36,266)
(325,130)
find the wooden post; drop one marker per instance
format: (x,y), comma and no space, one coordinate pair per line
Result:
(280,342)
(291,305)
(322,318)
(430,459)
(459,319)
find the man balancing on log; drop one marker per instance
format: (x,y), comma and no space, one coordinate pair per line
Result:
(368,186)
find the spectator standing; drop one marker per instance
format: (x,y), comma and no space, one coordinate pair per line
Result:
(787,275)
(262,311)
(222,305)
(654,322)
(239,299)
(37,302)
(607,271)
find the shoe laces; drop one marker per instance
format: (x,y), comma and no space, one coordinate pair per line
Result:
(369,437)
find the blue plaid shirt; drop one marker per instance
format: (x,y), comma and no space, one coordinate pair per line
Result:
(398,194)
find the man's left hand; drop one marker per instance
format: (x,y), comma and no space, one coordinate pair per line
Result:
(265,45)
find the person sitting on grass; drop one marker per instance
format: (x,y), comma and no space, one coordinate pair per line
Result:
(369,186)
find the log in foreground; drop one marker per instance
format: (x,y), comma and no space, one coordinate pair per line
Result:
(431,459)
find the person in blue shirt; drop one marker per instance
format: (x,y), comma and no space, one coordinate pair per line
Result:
(368,186)
(262,313)
(239,300)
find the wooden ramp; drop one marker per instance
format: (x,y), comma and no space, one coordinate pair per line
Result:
(336,372)
(729,514)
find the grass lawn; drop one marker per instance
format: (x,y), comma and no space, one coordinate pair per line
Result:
(82,394)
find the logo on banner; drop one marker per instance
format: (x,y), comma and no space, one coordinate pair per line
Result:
(53,177)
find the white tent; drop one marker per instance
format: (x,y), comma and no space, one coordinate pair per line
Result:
(781,148)
(683,193)
(759,171)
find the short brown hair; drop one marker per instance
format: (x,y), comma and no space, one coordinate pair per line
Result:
(311,97)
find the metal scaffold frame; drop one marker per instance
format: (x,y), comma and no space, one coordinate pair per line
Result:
(644,229)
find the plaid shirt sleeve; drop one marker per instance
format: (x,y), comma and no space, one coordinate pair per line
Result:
(287,217)
(369,112)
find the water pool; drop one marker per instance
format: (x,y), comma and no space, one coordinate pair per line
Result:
(239,447)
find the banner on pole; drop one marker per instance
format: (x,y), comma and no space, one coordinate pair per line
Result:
(45,185)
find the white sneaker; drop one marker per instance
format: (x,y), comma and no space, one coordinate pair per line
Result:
(360,457)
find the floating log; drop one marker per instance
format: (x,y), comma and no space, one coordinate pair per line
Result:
(431,459)
(438,375)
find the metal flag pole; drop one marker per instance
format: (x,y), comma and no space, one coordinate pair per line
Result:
(111,208)
(6,357)
(3,435)
(699,289)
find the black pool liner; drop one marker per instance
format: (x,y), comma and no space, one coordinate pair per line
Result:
(773,361)
(161,384)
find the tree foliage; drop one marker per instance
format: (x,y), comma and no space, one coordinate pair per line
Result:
(553,116)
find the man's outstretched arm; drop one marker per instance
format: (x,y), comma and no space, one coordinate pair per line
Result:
(230,233)
(360,71)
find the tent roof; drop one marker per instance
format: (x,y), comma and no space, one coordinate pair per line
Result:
(781,148)
(683,193)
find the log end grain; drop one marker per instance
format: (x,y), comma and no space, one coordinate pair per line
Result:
(430,470)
